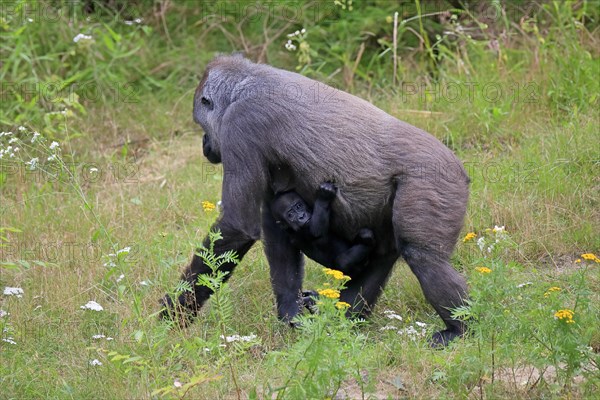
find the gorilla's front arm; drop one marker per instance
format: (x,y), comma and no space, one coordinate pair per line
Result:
(189,303)
(240,227)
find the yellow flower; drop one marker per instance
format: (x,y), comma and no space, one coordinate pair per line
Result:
(552,289)
(566,315)
(483,270)
(339,275)
(578,260)
(469,236)
(342,305)
(590,257)
(330,293)
(208,206)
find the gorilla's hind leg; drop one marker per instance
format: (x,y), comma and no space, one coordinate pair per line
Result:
(442,286)
(365,287)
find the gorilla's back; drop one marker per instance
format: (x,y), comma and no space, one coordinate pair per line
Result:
(324,134)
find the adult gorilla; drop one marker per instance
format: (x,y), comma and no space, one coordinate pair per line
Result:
(275,130)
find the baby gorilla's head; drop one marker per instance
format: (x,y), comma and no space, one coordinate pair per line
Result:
(291,211)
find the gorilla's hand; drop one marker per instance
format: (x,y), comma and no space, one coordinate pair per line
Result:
(327,191)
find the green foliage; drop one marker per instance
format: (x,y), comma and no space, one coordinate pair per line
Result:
(546,328)
(329,349)
(74,59)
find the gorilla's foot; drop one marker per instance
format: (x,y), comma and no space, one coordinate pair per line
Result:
(443,338)
(309,300)
(180,310)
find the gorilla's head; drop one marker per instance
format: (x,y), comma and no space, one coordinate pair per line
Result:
(290,211)
(216,91)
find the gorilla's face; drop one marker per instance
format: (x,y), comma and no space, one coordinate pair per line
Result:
(291,211)
(297,215)
(206,114)
(212,156)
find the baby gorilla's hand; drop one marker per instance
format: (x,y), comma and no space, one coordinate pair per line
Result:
(327,191)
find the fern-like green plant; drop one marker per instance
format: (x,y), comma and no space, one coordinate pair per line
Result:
(220,301)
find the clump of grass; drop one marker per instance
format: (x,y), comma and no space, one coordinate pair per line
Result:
(328,351)
(543,326)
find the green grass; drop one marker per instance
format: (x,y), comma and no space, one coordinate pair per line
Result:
(533,162)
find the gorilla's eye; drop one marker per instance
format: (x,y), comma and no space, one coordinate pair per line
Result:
(206,102)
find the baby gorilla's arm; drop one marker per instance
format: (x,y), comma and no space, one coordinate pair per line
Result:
(319,223)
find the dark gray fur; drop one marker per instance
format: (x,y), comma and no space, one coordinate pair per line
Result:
(277,129)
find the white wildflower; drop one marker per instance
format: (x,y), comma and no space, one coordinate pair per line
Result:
(289,46)
(412,332)
(420,324)
(177,384)
(388,328)
(35,136)
(145,283)
(392,315)
(13,291)
(481,243)
(81,36)
(3,313)
(12,140)
(99,336)
(92,305)
(520,285)
(138,20)
(22,129)
(93,170)
(9,340)
(120,278)
(95,363)
(238,338)
(29,19)
(108,339)
(52,157)
(125,250)
(54,145)
(33,163)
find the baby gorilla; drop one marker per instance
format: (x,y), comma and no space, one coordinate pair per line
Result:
(309,231)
